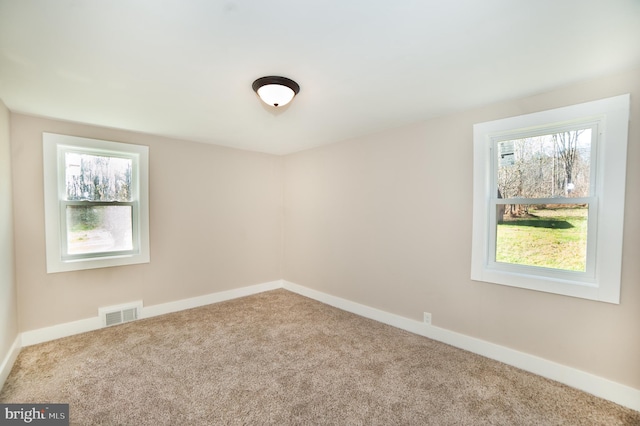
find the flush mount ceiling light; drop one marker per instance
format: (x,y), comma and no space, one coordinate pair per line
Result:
(275,91)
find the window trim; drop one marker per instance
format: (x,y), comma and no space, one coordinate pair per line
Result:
(612,116)
(54,147)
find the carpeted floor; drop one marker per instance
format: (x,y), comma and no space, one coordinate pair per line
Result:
(279,358)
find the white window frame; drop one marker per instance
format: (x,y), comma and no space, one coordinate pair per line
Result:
(54,148)
(601,280)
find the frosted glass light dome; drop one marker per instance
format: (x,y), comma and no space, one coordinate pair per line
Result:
(276,91)
(276,95)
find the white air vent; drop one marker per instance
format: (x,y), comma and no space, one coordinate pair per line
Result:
(112,315)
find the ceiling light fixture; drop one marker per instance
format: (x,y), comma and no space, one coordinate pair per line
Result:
(275,91)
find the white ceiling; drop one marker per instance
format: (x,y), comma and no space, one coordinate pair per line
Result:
(184,68)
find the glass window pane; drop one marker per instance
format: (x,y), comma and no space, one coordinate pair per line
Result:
(97,178)
(553,165)
(549,236)
(99,229)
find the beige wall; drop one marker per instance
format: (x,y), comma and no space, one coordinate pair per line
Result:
(8,300)
(385,221)
(215,225)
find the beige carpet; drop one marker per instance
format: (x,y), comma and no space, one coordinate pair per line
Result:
(279,358)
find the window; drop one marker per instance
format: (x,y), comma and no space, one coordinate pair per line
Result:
(96,203)
(548,200)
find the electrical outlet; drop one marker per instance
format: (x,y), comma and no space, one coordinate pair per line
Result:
(427,318)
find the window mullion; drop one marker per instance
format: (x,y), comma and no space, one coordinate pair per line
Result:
(560,200)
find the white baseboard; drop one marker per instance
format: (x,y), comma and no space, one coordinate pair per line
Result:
(595,385)
(9,360)
(89,324)
(207,299)
(45,334)
(587,382)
